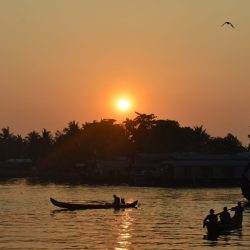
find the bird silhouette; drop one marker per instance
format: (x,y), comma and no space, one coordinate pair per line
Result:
(228,23)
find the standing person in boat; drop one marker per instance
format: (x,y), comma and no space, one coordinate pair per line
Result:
(238,212)
(211,219)
(116,202)
(225,215)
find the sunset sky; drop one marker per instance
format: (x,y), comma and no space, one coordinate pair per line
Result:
(64,60)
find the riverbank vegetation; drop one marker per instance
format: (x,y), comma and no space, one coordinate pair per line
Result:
(106,139)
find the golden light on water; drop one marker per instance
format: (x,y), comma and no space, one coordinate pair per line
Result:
(123,239)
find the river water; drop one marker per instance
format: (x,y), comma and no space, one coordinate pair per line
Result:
(165,219)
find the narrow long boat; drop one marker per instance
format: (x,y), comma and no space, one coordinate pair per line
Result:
(220,228)
(80,206)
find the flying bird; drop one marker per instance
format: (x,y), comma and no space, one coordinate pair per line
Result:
(228,23)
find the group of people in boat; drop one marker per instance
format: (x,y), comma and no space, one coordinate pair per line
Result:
(224,216)
(118,201)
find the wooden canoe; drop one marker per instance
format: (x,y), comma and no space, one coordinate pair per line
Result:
(223,227)
(81,206)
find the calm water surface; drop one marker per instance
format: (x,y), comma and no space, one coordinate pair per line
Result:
(166,218)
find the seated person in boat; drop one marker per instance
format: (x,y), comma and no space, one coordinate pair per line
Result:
(225,216)
(123,201)
(116,202)
(211,219)
(238,212)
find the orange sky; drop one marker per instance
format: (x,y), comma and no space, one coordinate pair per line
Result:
(69,60)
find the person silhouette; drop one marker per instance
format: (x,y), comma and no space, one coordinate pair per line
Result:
(225,215)
(210,219)
(116,202)
(238,212)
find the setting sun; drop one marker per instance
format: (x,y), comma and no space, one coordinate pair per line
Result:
(123,104)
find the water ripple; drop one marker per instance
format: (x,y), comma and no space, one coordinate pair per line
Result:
(166,218)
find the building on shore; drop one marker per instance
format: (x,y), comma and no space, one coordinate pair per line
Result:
(189,169)
(107,171)
(175,169)
(15,168)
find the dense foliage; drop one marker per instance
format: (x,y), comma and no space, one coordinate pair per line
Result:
(106,139)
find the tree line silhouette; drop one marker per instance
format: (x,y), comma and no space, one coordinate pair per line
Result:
(106,139)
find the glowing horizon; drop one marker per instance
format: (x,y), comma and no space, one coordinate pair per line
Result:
(69,60)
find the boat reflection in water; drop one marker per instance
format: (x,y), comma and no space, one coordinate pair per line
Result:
(124,231)
(224,237)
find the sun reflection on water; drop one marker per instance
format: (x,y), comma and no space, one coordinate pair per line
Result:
(124,231)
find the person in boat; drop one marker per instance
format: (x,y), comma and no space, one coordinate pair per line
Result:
(238,212)
(117,201)
(225,216)
(123,201)
(211,219)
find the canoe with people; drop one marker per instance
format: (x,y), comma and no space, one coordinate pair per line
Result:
(117,204)
(225,222)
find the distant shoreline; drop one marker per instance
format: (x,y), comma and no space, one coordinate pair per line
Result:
(47,181)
